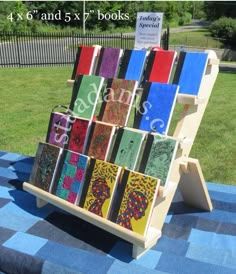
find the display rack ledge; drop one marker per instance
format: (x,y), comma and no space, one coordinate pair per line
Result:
(147,241)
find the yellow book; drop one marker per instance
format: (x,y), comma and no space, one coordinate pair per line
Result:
(99,187)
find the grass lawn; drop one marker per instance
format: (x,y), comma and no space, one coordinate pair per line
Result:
(29,94)
(201,38)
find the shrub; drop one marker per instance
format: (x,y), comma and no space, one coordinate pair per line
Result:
(224,28)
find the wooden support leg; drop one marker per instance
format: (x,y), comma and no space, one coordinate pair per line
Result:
(193,186)
(40,202)
(138,251)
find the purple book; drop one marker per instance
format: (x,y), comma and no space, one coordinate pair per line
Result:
(59,129)
(108,62)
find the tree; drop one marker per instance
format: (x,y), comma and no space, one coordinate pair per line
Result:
(217,9)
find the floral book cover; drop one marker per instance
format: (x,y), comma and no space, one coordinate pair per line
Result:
(127,147)
(99,188)
(77,139)
(85,94)
(58,129)
(45,165)
(70,175)
(118,100)
(134,201)
(100,140)
(159,154)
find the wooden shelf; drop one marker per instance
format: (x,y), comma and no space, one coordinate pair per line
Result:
(142,242)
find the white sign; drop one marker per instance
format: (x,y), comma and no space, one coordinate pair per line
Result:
(148,29)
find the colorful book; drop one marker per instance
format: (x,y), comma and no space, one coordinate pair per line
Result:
(189,71)
(134,201)
(158,156)
(117,101)
(159,66)
(132,64)
(84,61)
(99,187)
(157,105)
(59,129)
(100,140)
(78,135)
(127,147)
(70,176)
(108,62)
(86,91)
(45,165)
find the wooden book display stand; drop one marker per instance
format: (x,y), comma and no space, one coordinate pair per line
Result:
(185,172)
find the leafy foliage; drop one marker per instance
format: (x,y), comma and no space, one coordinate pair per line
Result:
(225,28)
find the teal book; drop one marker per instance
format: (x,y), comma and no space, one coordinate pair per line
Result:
(85,95)
(158,156)
(127,147)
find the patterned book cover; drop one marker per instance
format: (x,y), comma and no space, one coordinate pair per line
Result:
(157,105)
(84,61)
(108,62)
(189,71)
(99,187)
(69,178)
(135,201)
(86,91)
(158,157)
(118,101)
(159,66)
(100,140)
(59,129)
(127,147)
(44,166)
(77,140)
(132,64)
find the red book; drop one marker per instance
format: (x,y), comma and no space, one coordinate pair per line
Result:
(159,66)
(78,134)
(84,62)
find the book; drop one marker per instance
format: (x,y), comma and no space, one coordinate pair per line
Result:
(70,175)
(108,62)
(78,135)
(84,60)
(44,166)
(117,101)
(132,64)
(134,201)
(159,66)
(100,140)
(59,129)
(156,107)
(189,72)
(85,94)
(127,147)
(158,156)
(99,187)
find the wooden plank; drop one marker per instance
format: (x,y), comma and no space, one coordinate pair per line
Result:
(190,99)
(193,187)
(94,219)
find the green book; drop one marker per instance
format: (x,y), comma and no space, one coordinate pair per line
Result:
(158,156)
(86,92)
(127,147)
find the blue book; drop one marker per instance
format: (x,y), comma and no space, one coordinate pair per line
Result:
(132,64)
(189,71)
(156,107)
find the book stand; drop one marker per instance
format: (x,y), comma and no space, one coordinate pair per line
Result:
(185,173)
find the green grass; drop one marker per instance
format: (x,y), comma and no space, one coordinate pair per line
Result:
(29,94)
(197,38)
